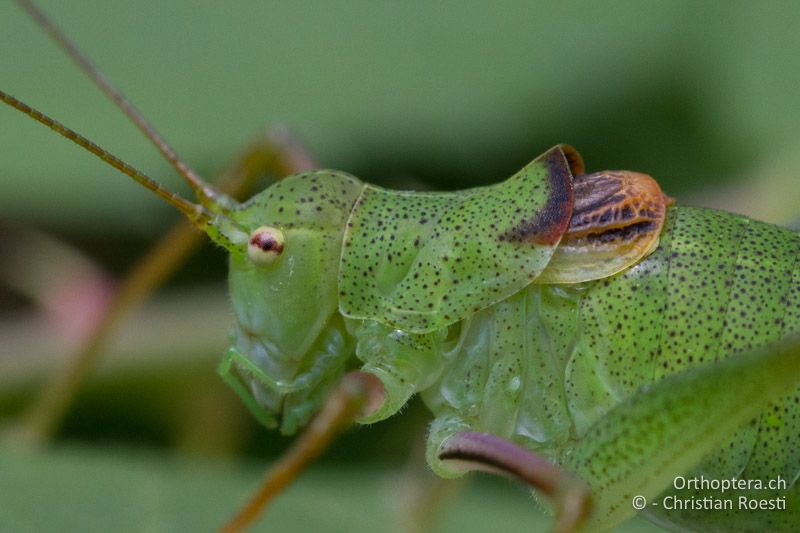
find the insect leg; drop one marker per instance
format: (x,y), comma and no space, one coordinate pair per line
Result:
(274,153)
(470,450)
(357,395)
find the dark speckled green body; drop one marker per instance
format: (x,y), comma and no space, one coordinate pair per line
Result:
(380,275)
(626,381)
(544,366)
(419,262)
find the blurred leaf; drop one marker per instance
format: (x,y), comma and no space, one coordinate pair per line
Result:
(187,326)
(71,489)
(769,192)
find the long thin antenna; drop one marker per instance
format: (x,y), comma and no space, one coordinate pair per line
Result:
(197,214)
(206,194)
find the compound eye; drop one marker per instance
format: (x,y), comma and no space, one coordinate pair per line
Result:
(265,246)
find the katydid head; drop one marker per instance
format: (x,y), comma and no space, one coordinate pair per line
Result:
(289,338)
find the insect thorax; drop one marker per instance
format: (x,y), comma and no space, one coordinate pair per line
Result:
(541,366)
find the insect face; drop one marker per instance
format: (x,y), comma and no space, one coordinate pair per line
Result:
(289,342)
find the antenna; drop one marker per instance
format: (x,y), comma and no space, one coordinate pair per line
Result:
(199,215)
(206,194)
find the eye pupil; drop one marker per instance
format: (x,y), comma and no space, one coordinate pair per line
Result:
(263,241)
(266,244)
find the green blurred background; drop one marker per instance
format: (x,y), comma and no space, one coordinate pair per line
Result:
(442,95)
